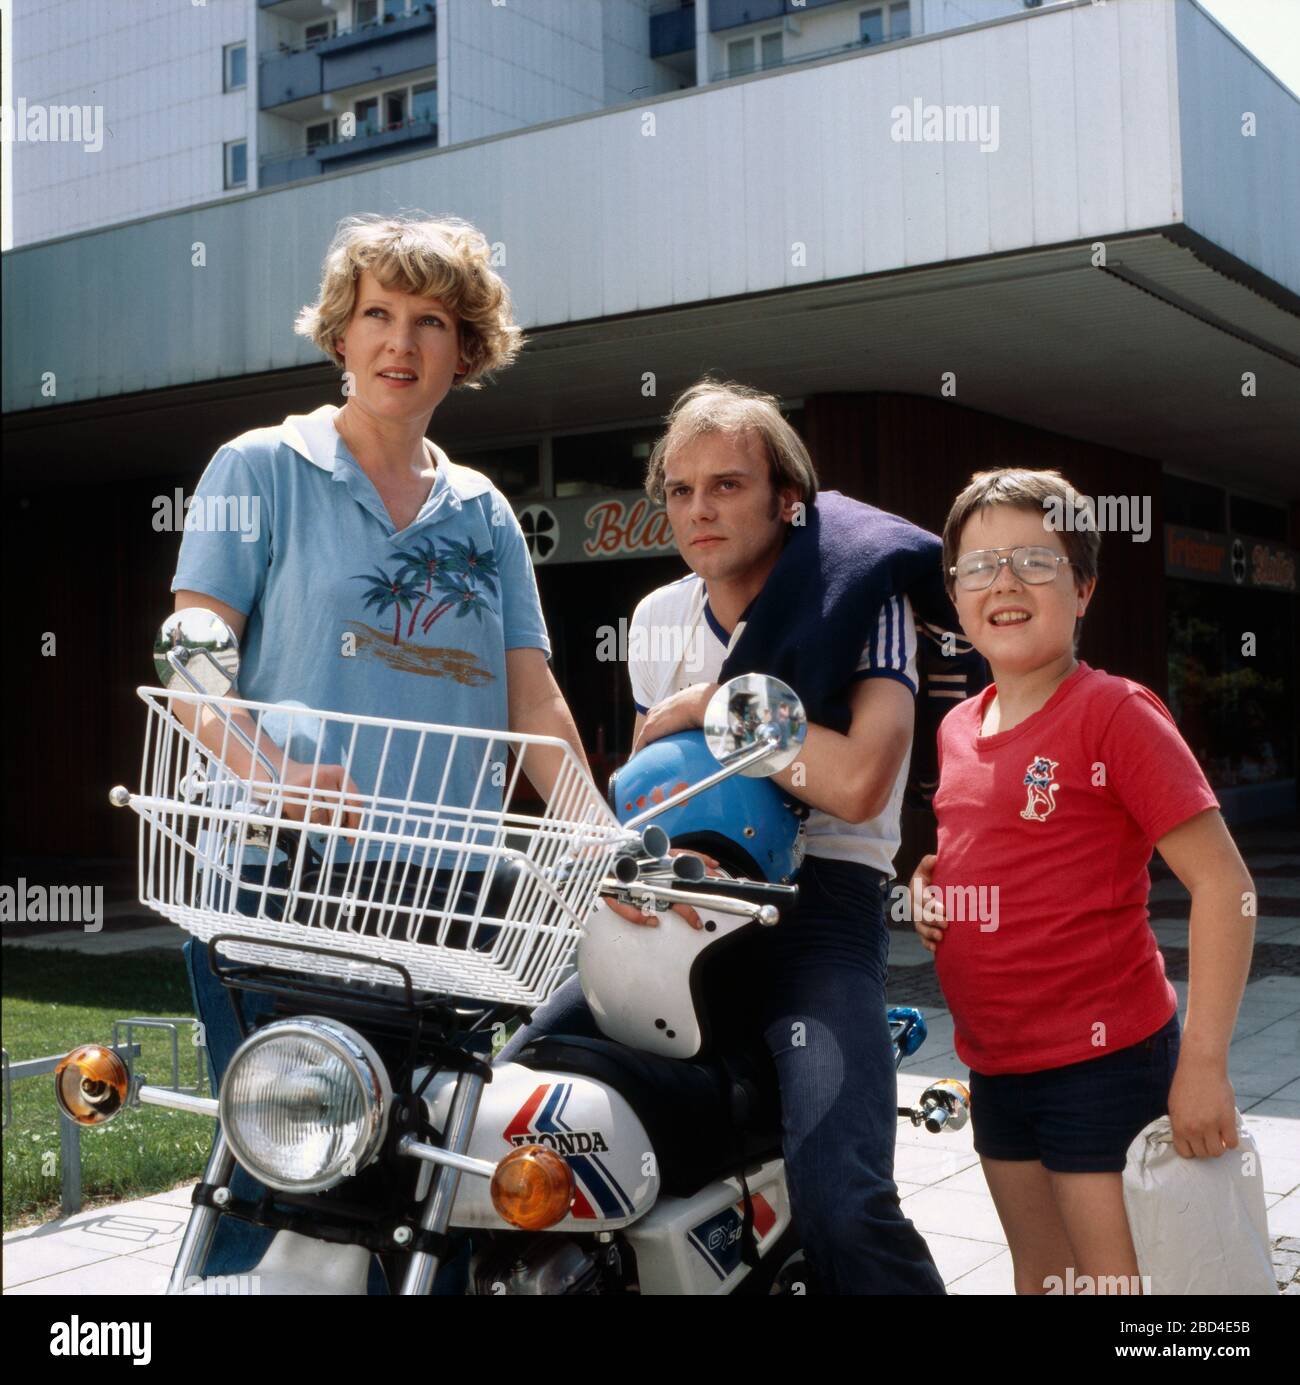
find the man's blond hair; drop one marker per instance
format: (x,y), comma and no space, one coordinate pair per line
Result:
(717,406)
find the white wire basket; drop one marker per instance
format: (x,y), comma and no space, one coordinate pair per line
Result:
(420,856)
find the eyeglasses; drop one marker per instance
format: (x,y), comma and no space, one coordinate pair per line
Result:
(979,569)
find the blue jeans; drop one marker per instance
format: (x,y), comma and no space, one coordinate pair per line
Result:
(822,978)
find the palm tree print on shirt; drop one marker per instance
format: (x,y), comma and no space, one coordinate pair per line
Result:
(386,591)
(451,569)
(449,577)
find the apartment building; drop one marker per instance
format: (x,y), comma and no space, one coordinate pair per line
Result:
(1049,236)
(179,102)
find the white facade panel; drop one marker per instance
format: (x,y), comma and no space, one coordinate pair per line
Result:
(1240,189)
(876,90)
(615,148)
(1054,194)
(721,180)
(967,160)
(520,64)
(1006,60)
(152,73)
(1152,167)
(924,210)
(1099,109)
(844,199)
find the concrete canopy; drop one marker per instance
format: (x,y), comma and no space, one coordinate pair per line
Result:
(1146,354)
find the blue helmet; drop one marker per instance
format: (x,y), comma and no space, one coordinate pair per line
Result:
(750,825)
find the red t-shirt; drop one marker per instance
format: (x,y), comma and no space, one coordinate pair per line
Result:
(1060,815)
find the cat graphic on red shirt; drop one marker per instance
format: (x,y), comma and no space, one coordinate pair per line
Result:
(1042,791)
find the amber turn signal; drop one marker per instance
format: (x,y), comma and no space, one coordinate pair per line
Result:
(532,1188)
(91,1085)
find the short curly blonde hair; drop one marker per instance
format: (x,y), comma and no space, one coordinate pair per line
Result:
(430,257)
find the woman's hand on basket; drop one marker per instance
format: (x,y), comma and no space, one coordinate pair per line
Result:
(927,910)
(633,914)
(303,780)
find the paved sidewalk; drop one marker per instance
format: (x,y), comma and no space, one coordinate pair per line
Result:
(129,1248)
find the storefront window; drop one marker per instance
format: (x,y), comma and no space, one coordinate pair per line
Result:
(593,463)
(1194,504)
(514,471)
(1232,679)
(596,463)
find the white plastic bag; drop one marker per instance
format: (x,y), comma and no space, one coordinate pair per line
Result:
(1199,1225)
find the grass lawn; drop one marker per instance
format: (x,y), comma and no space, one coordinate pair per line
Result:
(56,1000)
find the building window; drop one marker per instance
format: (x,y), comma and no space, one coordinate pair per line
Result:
(1257,518)
(424,102)
(365,12)
(318,135)
(740,57)
(318,32)
(395,9)
(740,53)
(886,23)
(237,163)
(596,463)
(515,471)
(235,66)
(393,110)
(1194,504)
(367,113)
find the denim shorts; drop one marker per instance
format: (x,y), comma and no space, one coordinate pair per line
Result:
(1080,1118)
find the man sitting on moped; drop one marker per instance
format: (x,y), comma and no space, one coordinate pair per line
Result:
(814,591)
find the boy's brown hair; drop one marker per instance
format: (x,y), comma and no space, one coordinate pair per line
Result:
(1047,493)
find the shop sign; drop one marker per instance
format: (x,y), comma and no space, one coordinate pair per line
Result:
(1233,559)
(586,528)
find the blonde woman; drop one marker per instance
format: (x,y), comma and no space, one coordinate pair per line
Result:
(376,576)
(366,540)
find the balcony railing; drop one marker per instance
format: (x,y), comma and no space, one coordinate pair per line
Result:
(420,17)
(853,46)
(370,142)
(729,14)
(371,53)
(672,30)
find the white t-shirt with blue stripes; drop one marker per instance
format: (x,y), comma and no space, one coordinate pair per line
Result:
(675,640)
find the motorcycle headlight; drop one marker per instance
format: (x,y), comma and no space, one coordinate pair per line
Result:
(304,1103)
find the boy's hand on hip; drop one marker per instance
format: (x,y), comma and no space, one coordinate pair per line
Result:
(927,913)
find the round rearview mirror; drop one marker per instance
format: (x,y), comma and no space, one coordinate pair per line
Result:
(196,650)
(753,710)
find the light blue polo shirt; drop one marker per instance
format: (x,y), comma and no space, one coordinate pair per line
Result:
(346,614)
